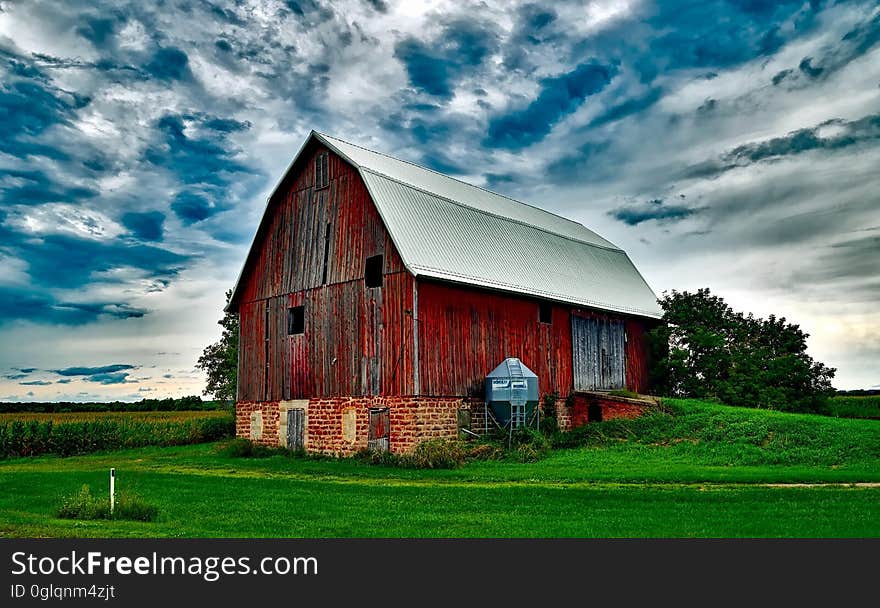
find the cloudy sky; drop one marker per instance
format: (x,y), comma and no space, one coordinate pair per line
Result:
(733,145)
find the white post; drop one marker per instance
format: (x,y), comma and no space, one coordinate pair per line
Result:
(112,489)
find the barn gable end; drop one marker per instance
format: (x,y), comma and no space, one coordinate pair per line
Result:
(311,251)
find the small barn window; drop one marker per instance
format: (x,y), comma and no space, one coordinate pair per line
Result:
(373,271)
(296,320)
(322,171)
(545,312)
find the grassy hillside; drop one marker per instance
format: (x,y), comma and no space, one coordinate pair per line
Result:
(697,470)
(724,435)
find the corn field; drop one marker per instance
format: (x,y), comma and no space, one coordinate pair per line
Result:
(31,434)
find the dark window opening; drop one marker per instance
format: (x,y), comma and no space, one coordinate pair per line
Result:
(373,271)
(296,320)
(322,172)
(326,254)
(545,312)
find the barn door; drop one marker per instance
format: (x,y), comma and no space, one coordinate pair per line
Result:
(598,347)
(296,424)
(380,427)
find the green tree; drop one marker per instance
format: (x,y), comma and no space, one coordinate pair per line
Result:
(704,349)
(220,360)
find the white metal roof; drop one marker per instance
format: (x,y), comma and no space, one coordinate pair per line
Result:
(446,229)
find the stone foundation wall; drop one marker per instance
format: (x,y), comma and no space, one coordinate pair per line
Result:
(339,426)
(257,421)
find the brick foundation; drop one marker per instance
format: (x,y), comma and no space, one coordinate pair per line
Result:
(339,426)
(578,414)
(329,424)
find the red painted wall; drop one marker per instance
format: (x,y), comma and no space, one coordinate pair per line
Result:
(465,332)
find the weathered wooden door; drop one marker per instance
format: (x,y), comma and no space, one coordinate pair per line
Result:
(296,425)
(380,430)
(598,350)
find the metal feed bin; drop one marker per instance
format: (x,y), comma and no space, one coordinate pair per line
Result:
(512,394)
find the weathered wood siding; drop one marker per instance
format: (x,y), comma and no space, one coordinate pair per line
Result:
(599,353)
(357,340)
(465,332)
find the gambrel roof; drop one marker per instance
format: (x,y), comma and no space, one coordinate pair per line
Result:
(450,230)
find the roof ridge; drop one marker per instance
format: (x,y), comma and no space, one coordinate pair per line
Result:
(461,181)
(489,213)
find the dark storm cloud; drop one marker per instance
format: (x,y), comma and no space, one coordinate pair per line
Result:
(59,260)
(98,31)
(843,134)
(29,105)
(145,225)
(627,108)
(36,383)
(378,5)
(18,303)
(780,76)
(44,307)
(117,378)
(34,187)
(532,28)
(226,125)
(194,160)
(168,64)
(807,68)
(655,209)
(559,97)
(720,34)
(15,376)
(435,66)
(309,11)
(192,208)
(91,371)
(858,41)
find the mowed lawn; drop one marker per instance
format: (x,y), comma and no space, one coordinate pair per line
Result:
(709,471)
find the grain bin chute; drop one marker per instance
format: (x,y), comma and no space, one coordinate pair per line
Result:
(512,395)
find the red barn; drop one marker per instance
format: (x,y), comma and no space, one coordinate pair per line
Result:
(378,294)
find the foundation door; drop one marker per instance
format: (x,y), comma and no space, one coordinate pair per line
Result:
(380,430)
(296,425)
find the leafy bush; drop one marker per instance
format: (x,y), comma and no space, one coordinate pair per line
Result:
(37,437)
(83,505)
(528,445)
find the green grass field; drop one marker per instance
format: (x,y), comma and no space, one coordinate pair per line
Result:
(700,470)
